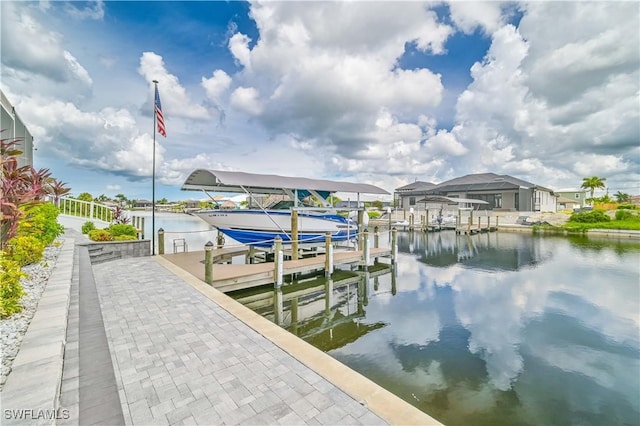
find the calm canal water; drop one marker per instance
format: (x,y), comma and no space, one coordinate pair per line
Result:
(495,329)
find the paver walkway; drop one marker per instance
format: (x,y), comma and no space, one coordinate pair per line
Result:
(179,358)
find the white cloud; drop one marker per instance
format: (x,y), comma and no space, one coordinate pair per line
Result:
(216,85)
(175,100)
(92,10)
(31,48)
(247,99)
(469,15)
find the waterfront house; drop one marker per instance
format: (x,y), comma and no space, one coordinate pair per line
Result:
(501,192)
(579,196)
(407,196)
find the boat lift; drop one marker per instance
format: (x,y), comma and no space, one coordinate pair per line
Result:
(296,188)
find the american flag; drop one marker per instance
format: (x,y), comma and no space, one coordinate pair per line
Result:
(159,117)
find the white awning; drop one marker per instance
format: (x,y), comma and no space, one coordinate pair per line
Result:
(450,200)
(225,181)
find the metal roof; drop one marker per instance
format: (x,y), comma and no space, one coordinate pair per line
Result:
(450,200)
(225,181)
(415,186)
(483,182)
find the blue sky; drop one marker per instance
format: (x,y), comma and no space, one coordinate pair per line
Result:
(377,92)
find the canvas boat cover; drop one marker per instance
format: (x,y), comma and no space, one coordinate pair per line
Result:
(225,181)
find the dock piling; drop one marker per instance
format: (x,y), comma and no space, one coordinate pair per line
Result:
(160,241)
(294,235)
(278,260)
(208,263)
(366,249)
(394,244)
(328,259)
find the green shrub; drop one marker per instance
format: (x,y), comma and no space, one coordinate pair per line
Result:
(88,226)
(40,221)
(627,206)
(122,229)
(124,238)
(10,287)
(590,217)
(623,214)
(373,215)
(100,235)
(25,250)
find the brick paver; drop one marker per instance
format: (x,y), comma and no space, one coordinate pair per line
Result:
(179,358)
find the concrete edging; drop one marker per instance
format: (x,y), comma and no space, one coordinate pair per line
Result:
(32,391)
(385,404)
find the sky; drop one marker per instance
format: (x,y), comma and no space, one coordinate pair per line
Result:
(376,92)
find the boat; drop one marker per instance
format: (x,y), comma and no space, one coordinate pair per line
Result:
(261,226)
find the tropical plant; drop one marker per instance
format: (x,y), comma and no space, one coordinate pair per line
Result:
(119,229)
(100,235)
(592,183)
(25,249)
(121,199)
(10,289)
(622,197)
(85,196)
(119,216)
(15,190)
(57,189)
(101,198)
(87,227)
(590,217)
(40,221)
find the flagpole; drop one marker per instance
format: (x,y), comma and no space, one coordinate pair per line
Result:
(153,177)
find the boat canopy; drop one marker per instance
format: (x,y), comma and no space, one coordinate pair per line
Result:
(450,200)
(241,182)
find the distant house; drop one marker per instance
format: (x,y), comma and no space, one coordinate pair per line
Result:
(578,195)
(501,192)
(565,203)
(142,204)
(406,196)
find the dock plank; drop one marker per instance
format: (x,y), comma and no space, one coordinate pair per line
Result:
(229,277)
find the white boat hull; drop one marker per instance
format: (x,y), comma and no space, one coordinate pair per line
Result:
(258,228)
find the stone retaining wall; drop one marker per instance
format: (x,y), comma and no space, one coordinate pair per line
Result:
(137,248)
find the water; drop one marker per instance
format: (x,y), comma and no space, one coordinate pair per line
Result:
(193,230)
(499,328)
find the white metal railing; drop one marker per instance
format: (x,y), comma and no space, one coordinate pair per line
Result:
(85,209)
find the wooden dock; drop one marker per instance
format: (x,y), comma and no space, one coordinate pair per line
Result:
(229,277)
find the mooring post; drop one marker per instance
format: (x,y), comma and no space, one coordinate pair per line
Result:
(360,227)
(394,244)
(389,214)
(366,249)
(250,254)
(142,226)
(220,240)
(328,258)
(497,217)
(208,263)
(376,240)
(160,241)
(278,260)
(469,224)
(479,226)
(294,235)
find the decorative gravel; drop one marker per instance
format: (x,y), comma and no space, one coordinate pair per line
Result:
(13,329)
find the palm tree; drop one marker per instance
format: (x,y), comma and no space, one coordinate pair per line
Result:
(621,197)
(593,183)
